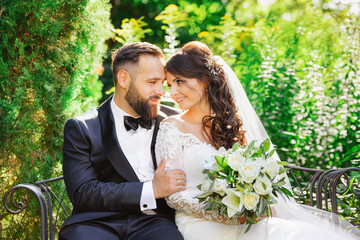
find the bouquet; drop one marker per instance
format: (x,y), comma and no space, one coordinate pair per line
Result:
(240,182)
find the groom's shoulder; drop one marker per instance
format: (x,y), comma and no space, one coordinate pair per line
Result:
(93,113)
(87,120)
(88,115)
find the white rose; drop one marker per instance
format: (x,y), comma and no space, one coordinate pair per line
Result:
(250,200)
(263,186)
(249,170)
(220,186)
(272,167)
(205,186)
(235,160)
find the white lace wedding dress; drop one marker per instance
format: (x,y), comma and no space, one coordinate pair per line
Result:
(292,221)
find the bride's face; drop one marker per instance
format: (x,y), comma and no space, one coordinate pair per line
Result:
(189,93)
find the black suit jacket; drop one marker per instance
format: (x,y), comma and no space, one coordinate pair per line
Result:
(99,179)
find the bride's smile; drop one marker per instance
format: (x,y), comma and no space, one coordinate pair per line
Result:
(189,93)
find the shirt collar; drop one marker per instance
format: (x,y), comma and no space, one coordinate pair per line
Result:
(118,113)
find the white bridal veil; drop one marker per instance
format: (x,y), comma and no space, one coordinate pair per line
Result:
(284,208)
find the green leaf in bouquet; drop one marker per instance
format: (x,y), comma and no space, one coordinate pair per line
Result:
(204,195)
(282,170)
(286,192)
(228,171)
(265,206)
(272,152)
(261,206)
(221,161)
(248,186)
(251,220)
(269,211)
(267,175)
(211,185)
(279,183)
(214,205)
(201,199)
(207,207)
(256,154)
(235,146)
(282,163)
(251,144)
(274,192)
(257,213)
(246,152)
(223,209)
(265,145)
(212,175)
(240,186)
(248,227)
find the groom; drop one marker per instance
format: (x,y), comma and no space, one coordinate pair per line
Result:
(109,157)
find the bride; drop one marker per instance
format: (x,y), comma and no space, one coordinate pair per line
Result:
(218,114)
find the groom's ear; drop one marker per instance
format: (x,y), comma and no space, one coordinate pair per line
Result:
(123,78)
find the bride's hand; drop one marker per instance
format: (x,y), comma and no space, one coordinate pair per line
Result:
(167,182)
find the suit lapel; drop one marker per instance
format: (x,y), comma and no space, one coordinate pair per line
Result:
(158,119)
(111,145)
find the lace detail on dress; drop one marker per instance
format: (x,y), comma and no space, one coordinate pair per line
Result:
(185,151)
(168,146)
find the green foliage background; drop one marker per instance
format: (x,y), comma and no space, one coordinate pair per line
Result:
(297,59)
(49,51)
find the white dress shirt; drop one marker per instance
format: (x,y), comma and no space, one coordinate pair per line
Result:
(136,147)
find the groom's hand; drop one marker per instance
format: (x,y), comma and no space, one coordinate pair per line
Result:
(168,182)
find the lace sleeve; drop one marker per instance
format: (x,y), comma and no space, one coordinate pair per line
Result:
(184,201)
(170,147)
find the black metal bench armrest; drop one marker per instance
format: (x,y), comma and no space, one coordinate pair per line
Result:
(44,196)
(324,184)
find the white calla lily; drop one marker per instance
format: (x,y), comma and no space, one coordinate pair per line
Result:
(232,201)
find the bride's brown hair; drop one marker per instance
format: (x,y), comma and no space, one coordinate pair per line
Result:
(195,60)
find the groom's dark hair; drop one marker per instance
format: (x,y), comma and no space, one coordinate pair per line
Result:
(127,57)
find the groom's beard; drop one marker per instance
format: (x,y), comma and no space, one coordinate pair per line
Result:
(142,106)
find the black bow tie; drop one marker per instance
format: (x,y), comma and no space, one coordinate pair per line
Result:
(133,123)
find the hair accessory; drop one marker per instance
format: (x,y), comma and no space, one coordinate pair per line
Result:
(228,126)
(211,65)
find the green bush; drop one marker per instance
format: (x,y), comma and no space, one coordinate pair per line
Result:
(50,53)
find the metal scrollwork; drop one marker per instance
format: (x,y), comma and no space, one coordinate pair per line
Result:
(22,204)
(326,185)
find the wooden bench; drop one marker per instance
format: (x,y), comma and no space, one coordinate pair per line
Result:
(314,187)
